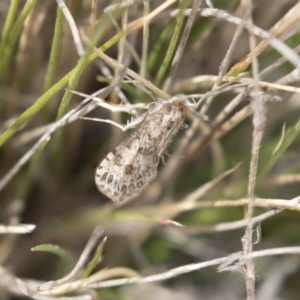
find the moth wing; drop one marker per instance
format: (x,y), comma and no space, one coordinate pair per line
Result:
(126,171)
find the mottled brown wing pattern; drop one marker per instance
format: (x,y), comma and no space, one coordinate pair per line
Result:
(125,172)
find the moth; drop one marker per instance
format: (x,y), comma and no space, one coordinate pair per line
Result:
(126,171)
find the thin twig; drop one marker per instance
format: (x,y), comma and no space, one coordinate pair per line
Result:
(230,225)
(194,267)
(224,65)
(180,207)
(259,121)
(280,46)
(73,27)
(19,229)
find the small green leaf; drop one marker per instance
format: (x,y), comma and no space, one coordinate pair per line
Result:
(52,249)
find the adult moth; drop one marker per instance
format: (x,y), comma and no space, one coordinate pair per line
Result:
(126,171)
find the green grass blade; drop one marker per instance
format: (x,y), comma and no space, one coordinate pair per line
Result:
(172,45)
(13,35)
(291,134)
(43,100)
(53,61)
(11,14)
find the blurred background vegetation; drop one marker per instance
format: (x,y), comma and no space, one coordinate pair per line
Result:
(55,190)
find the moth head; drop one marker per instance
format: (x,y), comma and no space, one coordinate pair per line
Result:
(167,108)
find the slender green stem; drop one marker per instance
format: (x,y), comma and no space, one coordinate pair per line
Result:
(53,61)
(73,81)
(155,55)
(173,43)
(94,261)
(11,14)
(12,38)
